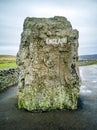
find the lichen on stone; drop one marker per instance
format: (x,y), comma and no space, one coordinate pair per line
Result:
(48,63)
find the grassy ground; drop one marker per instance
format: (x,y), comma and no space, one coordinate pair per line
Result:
(7,61)
(87,62)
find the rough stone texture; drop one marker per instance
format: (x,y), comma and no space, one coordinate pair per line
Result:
(8,77)
(47,59)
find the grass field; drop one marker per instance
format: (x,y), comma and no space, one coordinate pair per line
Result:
(7,61)
(87,62)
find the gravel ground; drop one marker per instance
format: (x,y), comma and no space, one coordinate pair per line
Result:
(85,118)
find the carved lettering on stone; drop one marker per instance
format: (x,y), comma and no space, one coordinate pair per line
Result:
(56,41)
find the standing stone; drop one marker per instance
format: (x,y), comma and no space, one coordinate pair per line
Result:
(48,63)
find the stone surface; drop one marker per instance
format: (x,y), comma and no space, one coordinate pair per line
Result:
(48,63)
(8,77)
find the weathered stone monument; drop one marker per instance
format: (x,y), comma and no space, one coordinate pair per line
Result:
(47,60)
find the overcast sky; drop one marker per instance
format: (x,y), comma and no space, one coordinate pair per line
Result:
(81,13)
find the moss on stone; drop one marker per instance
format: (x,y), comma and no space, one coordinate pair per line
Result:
(45,100)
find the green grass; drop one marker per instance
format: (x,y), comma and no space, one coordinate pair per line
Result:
(7,61)
(87,62)
(8,65)
(93,63)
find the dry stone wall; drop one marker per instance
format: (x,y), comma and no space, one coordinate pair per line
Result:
(8,77)
(48,63)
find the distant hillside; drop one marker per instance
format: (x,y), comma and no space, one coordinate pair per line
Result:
(7,61)
(7,57)
(88,57)
(87,60)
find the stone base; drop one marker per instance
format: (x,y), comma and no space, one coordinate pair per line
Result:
(47,99)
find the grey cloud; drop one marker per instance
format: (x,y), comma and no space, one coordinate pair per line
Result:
(81,13)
